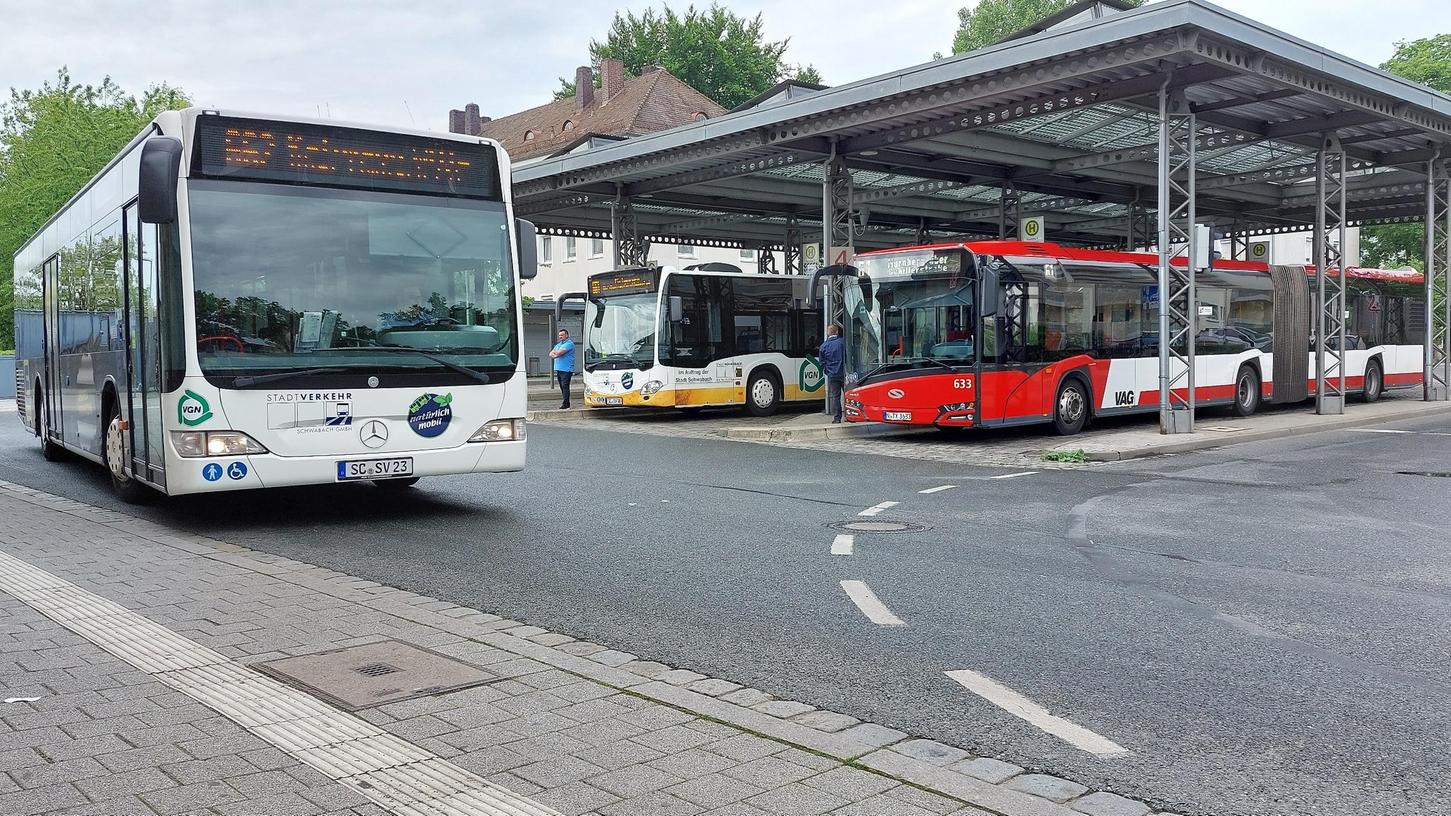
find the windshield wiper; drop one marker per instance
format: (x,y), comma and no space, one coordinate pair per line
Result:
(243,382)
(483,378)
(935,362)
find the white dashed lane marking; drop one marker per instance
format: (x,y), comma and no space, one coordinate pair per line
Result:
(1395,431)
(878,508)
(1015,475)
(398,775)
(843,544)
(937,489)
(1020,706)
(866,600)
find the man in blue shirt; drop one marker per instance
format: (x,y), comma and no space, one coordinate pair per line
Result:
(563,354)
(833,364)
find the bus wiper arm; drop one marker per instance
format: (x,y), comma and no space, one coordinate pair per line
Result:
(243,382)
(481,377)
(936,362)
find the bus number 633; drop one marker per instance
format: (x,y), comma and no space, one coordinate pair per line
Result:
(962,383)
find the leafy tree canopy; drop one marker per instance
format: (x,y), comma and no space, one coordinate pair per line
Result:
(1427,61)
(722,55)
(991,20)
(52,141)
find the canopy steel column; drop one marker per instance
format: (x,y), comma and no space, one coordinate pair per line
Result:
(1177,136)
(838,233)
(1330,289)
(631,248)
(1008,212)
(1437,374)
(791,249)
(765,260)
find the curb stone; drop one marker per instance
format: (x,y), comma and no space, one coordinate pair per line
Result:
(865,746)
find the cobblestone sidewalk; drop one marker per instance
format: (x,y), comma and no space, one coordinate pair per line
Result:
(574,726)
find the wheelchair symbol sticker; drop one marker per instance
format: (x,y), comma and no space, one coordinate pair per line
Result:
(212,472)
(236,470)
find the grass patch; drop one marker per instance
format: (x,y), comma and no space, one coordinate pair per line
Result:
(1074,456)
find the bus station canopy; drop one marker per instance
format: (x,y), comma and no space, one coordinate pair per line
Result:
(1063,124)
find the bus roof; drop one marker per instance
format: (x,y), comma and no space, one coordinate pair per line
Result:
(1045,249)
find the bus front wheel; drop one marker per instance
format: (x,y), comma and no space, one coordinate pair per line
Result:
(1070,409)
(126,488)
(763,395)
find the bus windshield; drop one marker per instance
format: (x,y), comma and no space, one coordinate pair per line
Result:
(620,331)
(921,313)
(299,279)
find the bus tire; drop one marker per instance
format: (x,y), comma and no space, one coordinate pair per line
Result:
(763,394)
(126,488)
(396,484)
(1246,392)
(48,449)
(1374,383)
(1070,407)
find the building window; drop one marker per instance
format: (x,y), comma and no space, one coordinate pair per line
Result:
(596,247)
(528,135)
(568,125)
(685,250)
(748,254)
(569,249)
(546,249)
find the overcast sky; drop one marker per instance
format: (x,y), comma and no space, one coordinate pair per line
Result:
(405,62)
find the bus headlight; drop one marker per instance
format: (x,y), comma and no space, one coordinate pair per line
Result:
(852,403)
(193,444)
(500,430)
(956,406)
(651,388)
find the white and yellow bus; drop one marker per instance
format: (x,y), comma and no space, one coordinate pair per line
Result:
(702,337)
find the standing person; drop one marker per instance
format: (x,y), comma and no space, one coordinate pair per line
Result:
(563,354)
(833,362)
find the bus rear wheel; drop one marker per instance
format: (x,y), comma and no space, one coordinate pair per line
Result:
(126,488)
(48,449)
(1374,384)
(1070,409)
(763,395)
(1246,392)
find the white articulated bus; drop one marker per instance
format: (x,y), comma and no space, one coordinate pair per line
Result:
(700,337)
(239,301)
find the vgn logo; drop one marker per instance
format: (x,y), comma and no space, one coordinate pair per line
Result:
(192,409)
(811,376)
(627,381)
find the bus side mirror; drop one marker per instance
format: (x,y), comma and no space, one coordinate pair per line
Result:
(677,309)
(991,291)
(160,169)
(865,284)
(528,249)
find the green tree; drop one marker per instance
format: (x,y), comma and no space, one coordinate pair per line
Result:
(990,21)
(52,141)
(722,55)
(1427,61)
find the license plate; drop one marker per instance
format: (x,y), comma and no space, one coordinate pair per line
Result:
(613,400)
(898,416)
(375,469)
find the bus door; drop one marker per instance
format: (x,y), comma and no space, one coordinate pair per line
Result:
(143,358)
(1003,355)
(50,344)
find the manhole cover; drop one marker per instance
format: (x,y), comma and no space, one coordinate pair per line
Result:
(375,673)
(864,526)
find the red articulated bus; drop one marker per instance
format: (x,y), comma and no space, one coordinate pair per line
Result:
(1000,333)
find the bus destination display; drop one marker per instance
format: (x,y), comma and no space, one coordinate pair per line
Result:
(625,282)
(298,153)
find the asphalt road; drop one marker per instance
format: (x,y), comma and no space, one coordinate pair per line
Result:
(1264,627)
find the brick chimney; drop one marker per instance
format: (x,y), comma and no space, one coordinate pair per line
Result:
(612,78)
(471,120)
(455,121)
(584,87)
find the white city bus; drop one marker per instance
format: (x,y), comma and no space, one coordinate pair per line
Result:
(238,301)
(700,337)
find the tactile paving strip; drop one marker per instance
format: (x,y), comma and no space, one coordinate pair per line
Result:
(398,775)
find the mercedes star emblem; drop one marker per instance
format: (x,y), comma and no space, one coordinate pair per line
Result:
(374,433)
(372,382)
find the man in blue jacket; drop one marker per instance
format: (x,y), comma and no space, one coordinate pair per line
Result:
(833,364)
